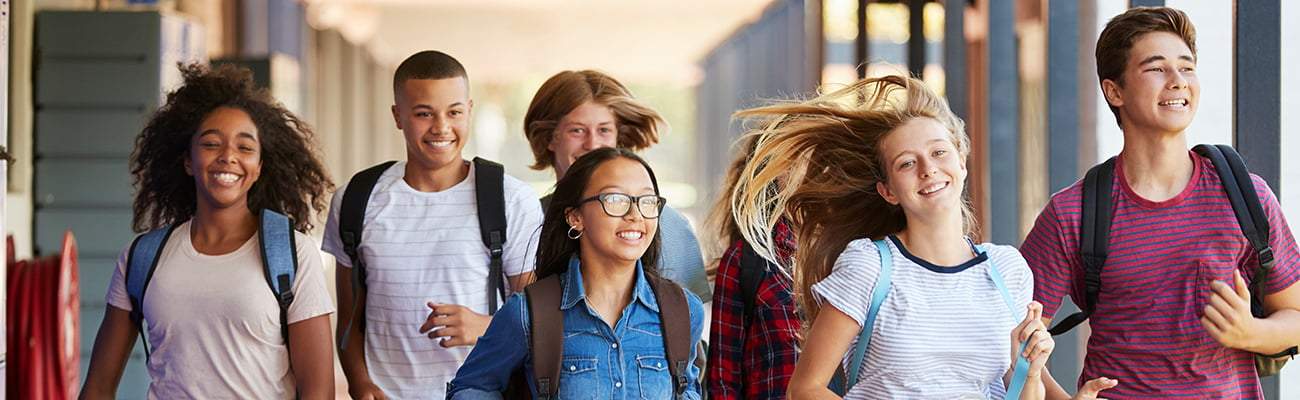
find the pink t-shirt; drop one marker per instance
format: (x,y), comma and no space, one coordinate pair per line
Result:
(213,323)
(1146,329)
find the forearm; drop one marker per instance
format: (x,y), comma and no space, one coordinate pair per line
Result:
(110,354)
(1278,332)
(353,359)
(1034,389)
(312,357)
(1051,389)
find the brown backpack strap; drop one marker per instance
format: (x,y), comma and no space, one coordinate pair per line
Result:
(675,321)
(547,324)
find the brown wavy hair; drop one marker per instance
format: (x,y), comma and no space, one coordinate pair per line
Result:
(293,180)
(1119,34)
(638,124)
(828,149)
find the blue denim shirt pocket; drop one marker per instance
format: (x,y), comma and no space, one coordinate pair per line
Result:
(580,378)
(653,377)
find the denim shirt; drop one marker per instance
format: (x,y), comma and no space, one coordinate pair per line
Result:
(599,362)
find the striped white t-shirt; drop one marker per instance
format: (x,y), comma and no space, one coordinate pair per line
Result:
(421,247)
(943,332)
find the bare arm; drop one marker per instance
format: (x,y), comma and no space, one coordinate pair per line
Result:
(824,347)
(352,357)
(112,350)
(518,282)
(311,357)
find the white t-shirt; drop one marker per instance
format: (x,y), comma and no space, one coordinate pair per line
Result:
(214,325)
(942,332)
(421,247)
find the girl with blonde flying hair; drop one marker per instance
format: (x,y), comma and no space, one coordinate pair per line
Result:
(875,192)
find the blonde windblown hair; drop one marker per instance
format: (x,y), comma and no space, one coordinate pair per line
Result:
(825,154)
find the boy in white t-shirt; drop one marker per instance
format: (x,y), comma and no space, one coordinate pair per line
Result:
(424,299)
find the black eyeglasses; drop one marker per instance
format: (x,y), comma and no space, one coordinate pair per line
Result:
(618,204)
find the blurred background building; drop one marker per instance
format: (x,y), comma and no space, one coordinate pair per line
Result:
(83,75)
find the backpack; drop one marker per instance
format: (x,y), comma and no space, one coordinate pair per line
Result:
(279,264)
(1094,235)
(547,339)
(1019,374)
(489,191)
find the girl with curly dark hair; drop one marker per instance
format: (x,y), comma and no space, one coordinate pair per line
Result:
(209,161)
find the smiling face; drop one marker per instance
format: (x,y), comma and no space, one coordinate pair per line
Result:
(1160,91)
(433,115)
(924,169)
(590,126)
(614,240)
(225,159)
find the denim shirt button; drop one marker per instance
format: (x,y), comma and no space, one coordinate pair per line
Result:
(573,367)
(613,345)
(618,384)
(659,365)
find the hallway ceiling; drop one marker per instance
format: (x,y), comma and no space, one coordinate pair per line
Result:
(510,40)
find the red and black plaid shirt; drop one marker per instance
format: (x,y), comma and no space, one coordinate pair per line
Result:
(755,361)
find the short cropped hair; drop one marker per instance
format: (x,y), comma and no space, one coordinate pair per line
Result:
(428,64)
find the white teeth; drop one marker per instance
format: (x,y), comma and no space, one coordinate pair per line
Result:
(226,177)
(440,143)
(1182,102)
(632,235)
(933,188)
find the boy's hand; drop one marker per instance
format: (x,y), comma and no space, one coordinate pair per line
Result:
(1032,330)
(460,326)
(366,391)
(1227,318)
(1093,388)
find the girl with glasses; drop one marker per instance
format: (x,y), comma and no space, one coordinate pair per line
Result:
(600,240)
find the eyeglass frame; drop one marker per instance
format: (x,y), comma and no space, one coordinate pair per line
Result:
(634,200)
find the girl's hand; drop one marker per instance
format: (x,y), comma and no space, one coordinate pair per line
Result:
(1033,331)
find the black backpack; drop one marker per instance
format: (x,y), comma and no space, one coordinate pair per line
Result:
(546,322)
(1095,234)
(489,180)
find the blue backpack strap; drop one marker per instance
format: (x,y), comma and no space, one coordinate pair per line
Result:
(141,262)
(1021,371)
(279,262)
(877,298)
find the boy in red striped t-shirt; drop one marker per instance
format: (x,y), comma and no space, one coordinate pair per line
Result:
(1173,316)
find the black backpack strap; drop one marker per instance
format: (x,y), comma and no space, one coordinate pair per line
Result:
(1241,193)
(1094,239)
(546,321)
(753,269)
(279,262)
(141,262)
(1240,189)
(489,190)
(675,321)
(352,214)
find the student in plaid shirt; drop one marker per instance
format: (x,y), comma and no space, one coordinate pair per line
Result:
(750,356)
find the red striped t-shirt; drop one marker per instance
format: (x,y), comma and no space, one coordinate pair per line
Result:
(1146,329)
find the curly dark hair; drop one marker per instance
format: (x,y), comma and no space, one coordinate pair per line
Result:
(293,180)
(555,248)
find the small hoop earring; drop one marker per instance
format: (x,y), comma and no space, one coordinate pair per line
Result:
(573,235)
